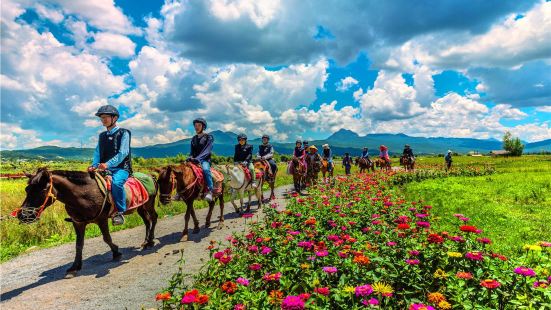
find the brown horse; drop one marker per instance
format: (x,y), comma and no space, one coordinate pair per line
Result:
(264,165)
(314,168)
(182,179)
(408,162)
(85,204)
(364,164)
(299,174)
(327,168)
(383,164)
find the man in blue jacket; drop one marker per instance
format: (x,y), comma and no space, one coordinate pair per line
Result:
(113,154)
(201,149)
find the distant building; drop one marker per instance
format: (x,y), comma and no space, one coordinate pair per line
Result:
(474,153)
(499,153)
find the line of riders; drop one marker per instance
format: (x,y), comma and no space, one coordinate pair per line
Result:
(113,154)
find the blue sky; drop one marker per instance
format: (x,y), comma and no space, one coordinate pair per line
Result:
(291,69)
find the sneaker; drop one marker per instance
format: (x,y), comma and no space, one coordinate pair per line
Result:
(118,219)
(208,196)
(176,197)
(254,185)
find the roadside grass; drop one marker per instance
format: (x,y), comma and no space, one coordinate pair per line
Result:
(512,206)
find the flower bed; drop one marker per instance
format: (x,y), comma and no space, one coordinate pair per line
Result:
(355,246)
(424,173)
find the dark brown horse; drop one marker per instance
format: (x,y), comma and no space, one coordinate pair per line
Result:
(299,174)
(383,164)
(408,162)
(314,168)
(85,204)
(264,165)
(365,164)
(183,180)
(327,168)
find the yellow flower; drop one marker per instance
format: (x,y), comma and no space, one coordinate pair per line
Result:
(436,297)
(304,266)
(316,282)
(440,274)
(349,289)
(531,247)
(382,288)
(455,254)
(444,305)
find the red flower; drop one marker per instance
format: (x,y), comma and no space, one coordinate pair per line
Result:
(490,284)
(229,287)
(322,291)
(403,226)
(468,228)
(203,299)
(163,296)
(435,238)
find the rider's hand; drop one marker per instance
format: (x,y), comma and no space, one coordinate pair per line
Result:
(91,169)
(102,166)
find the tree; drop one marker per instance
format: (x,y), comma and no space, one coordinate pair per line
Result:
(513,145)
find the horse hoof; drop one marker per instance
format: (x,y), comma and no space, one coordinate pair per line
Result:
(195,231)
(70,274)
(148,244)
(117,257)
(184,238)
(220,226)
(207,224)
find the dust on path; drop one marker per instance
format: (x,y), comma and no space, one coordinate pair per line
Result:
(36,280)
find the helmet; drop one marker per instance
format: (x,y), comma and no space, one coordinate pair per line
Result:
(202,121)
(107,109)
(298,141)
(365,147)
(325,146)
(449,151)
(305,143)
(407,145)
(266,136)
(242,136)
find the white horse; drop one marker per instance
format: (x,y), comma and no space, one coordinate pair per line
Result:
(239,185)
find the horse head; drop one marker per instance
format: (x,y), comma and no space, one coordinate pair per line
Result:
(167,183)
(40,195)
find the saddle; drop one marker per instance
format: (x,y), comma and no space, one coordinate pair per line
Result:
(217,179)
(267,168)
(139,187)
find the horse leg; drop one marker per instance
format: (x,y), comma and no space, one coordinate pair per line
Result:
(221,218)
(196,221)
(233,197)
(104,228)
(153,216)
(272,188)
(77,264)
(209,215)
(147,223)
(189,206)
(249,202)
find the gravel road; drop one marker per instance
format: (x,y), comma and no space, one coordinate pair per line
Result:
(36,280)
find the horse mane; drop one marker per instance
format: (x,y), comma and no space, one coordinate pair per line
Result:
(76,177)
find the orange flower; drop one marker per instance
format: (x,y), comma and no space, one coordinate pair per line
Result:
(203,299)
(163,296)
(436,297)
(229,287)
(276,297)
(361,260)
(310,221)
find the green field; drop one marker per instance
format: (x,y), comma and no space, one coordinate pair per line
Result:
(512,206)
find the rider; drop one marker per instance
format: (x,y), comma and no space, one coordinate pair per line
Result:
(305,145)
(300,152)
(408,152)
(243,155)
(200,153)
(113,154)
(384,153)
(347,163)
(313,154)
(448,160)
(266,152)
(365,154)
(328,155)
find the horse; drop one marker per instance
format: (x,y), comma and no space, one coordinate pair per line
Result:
(325,168)
(408,162)
(383,164)
(239,184)
(264,166)
(182,178)
(364,164)
(299,174)
(314,168)
(84,203)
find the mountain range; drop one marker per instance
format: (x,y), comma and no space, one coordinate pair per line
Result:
(341,141)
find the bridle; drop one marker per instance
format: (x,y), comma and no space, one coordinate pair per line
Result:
(168,196)
(36,212)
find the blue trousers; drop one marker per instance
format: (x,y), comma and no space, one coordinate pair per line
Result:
(206,172)
(117,188)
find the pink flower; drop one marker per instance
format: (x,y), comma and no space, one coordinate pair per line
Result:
(370,302)
(525,271)
(474,256)
(391,243)
(293,233)
(292,303)
(255,266)
(305,244)
(420,307)
(225,259)
(239,307)
(247,215)
(266,250)
(322,253)
(189,299)
(413,253)
(322,291)
(330,269)
(242,281)
(423,224)
(218,255)
(253,248)
(412,261)
(363,290)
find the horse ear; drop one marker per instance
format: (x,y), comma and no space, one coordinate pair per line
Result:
(157,169)
(28,175)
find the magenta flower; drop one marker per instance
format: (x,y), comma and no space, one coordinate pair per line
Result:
(423,224)
(475,256)
(242,281)
(370,302)
(525,271)
(330,269)
(412,261)
(420,307)
(305,244)
(189,299)
(391,243)
(414,253)
(266,250)
(363,290)
(247,215)
(239,307)
(292,303)
(322,253)
(255,266)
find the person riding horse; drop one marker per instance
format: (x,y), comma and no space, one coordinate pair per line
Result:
(384,154)
(300,153)
(327,155)
(243,155)
(365,155)
(313,155)
(200,153)
(266,152)
(408,152)
(113,154)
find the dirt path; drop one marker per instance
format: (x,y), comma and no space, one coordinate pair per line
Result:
(36,280)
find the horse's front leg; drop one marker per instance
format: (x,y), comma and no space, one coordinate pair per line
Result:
(77,264)
(233,197)
(104,228)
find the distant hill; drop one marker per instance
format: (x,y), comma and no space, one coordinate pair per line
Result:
(341,141)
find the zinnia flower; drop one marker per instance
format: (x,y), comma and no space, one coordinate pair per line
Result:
(255,266)
(464,275)
(468,228)
(292,303)
(435,238)
(322,290)
(242,281)
(436,297)
(490,284)
(382,288)
(330,269)
(239,307)
(322,253)
(474,256)
(363,290)
(423,224)
(163,296)
(444,305)
(420,307)
(525,271)
(229,287)
(454,254)
(412,261)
